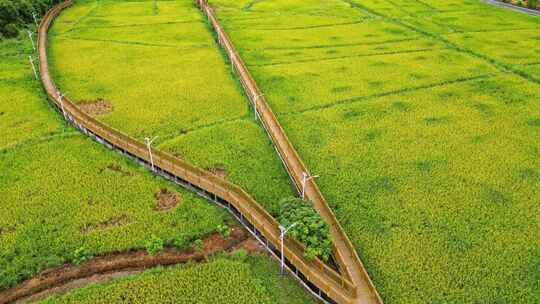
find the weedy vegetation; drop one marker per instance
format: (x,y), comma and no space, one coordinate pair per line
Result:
(306,226)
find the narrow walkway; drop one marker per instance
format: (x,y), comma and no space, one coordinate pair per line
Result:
(345,252)
(317,277)
(513,7)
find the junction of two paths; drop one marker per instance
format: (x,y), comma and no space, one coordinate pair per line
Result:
(353,285)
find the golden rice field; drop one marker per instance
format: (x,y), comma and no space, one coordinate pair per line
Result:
(420,116)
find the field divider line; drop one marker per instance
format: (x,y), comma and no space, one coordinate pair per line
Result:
(356,99)
(137,43)
(320,59)
(318,278)
(345,252)
(362,20)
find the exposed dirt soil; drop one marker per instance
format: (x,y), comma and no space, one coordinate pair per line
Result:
(166,200)
(112,222)
(251,245)
(114,265)
(6,230)
(95,107)
(219,171)
(116,168)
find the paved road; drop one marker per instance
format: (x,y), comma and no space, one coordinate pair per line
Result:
(514,7)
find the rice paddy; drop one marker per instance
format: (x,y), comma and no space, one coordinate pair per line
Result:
(61,191)
(63,194)
(420,117)
(163,74)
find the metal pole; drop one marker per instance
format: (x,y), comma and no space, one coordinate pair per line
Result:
(283,230)
(35,19)
(148,145)
(61,99)
(33,66)
(31,40)
(305,179)
(255,105)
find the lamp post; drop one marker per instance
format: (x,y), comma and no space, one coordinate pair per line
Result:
(35,19)
(148,145)
(255,104)
(306,178)
(33,66)
(61,99)
(283,230)
(31,40)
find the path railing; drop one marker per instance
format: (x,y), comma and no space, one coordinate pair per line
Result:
(344,251)
(330,285)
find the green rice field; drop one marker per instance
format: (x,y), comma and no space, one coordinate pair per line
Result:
(162,72)
(421,117)
(62,193)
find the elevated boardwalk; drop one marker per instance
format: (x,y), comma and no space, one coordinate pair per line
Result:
(344,251)
(321,280)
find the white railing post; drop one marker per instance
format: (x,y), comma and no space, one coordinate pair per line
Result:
(149,146)
(283,230)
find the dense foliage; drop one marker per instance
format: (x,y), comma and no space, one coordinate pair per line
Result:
(422,119)
(307,227)
(239,278)
(15,14)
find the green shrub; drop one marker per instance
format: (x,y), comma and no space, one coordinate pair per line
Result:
(310,229)
(224,230)
(15,14)
(239,255)
(80,256)
(198,244)
(154,245)
(181,242)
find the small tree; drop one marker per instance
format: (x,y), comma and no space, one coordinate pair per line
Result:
(224,230)
(198,244)
(81,255)
(310,228)
(154,245)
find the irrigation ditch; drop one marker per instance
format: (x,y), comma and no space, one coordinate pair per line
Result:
(114,265)
(324,282)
